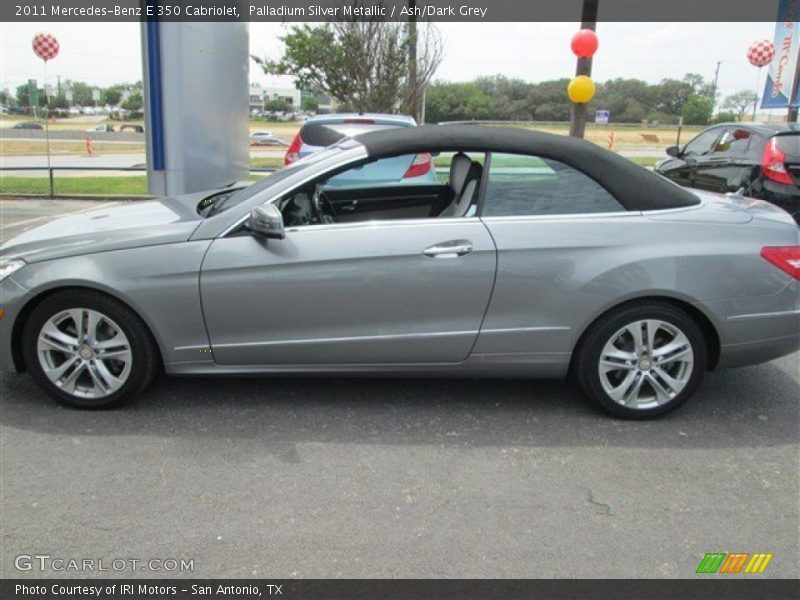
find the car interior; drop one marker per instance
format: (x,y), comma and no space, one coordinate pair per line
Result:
(454,195)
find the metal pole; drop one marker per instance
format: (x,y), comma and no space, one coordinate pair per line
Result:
(577,121)
(47,129)
(52,185)
(755,100)
(714,87)
(791,116)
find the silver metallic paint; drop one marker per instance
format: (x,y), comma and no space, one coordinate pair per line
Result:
(362,298)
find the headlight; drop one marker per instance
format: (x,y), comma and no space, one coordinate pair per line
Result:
(7,267)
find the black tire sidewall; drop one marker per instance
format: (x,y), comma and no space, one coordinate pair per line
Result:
(600,333)
(142,352)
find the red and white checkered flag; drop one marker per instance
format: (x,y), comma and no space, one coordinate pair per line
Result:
(45,46)
(761,53)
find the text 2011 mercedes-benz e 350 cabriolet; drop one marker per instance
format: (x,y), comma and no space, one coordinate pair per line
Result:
(530,255)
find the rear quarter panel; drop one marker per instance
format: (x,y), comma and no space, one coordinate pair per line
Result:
(556,275)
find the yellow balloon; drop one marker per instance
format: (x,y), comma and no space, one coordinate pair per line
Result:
(581,89)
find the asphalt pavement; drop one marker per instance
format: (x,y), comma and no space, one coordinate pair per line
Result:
(332,477)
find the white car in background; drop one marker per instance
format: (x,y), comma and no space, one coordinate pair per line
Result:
(265,138)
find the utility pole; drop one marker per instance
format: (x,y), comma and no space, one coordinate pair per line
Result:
(791,116)
(714,87)
(412,59)
(577,121)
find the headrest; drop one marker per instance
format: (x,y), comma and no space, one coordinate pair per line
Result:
(459,170)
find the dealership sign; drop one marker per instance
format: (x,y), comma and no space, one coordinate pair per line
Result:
(781,75)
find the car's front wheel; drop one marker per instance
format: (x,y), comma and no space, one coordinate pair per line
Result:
(88,350)
(642,360)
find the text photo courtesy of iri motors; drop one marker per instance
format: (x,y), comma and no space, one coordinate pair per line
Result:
(401,299)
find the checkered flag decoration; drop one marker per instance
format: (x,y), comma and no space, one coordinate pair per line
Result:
(761,53)
(45,46)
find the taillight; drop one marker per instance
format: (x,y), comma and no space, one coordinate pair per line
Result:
(293,151)
(772,163)
(419,166)
(786,258)
(358,122)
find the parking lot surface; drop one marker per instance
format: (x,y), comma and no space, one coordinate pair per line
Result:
(320,477)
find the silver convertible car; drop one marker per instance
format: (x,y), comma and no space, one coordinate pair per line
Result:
(529,255)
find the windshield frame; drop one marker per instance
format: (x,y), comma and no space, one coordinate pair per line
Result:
(278,183)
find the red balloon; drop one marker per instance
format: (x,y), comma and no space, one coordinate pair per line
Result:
(584,43)
(45,46)
(761,53)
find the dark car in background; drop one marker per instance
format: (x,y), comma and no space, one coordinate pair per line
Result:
(27,125)
(759,160)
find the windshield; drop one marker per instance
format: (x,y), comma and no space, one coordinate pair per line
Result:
(223,201)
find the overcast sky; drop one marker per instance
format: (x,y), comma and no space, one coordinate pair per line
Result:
(106,53)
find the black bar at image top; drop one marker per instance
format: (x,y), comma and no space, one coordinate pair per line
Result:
(475,11)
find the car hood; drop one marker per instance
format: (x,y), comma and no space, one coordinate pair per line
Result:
(126,225)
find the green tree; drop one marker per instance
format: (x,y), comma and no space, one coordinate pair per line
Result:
(361,63)
(111,96)
(310,103)
(277,105)
(740,102)
(672,95)
(724,117)
(81,93)
(697,110)
(457,102)
(58,102)
(24,100)
(134,102)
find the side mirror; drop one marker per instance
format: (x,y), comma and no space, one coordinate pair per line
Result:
(267,222)
(674,151)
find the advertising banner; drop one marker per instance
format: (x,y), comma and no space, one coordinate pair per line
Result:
(781,74)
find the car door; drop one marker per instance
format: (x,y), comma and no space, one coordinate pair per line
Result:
(557,232)
(727,166)
(392,292)
(682,169)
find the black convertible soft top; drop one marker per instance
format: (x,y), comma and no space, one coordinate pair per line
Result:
(635,187)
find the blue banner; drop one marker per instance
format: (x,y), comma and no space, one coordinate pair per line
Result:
(780,77)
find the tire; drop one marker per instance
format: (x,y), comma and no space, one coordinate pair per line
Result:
(644,380)
(103,365)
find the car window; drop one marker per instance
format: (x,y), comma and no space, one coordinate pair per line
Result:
(521,185)
(734,140)
(702,144)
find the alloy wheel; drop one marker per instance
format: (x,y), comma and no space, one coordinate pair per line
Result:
(84,353)
(646,364)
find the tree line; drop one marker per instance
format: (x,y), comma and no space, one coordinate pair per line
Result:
(500,98)
(82,95)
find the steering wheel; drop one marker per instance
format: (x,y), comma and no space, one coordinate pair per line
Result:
(317,200)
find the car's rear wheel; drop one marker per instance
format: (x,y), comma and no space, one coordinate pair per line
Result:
(88,350)
(642,360)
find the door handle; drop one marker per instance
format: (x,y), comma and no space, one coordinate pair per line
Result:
(448,249)
(349,207)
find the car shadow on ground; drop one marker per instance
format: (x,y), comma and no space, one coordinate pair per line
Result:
(755,406)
